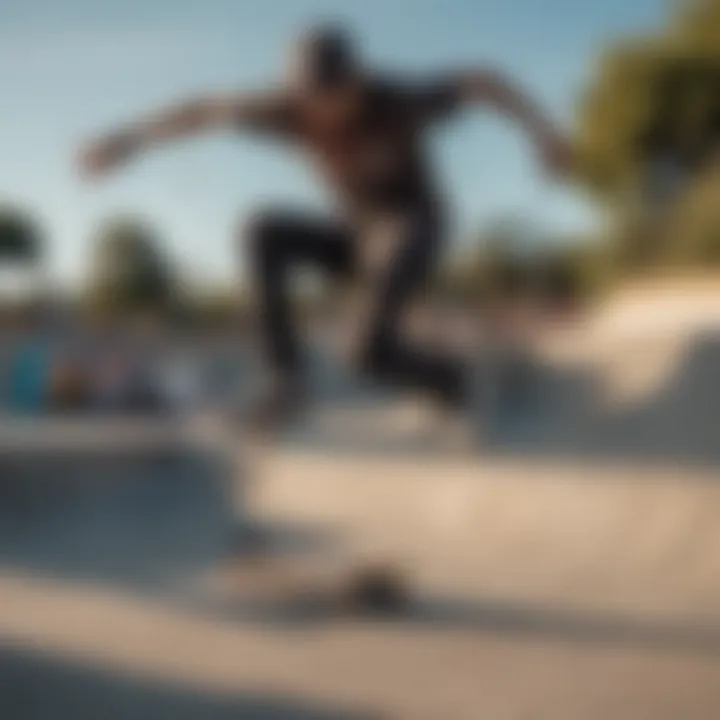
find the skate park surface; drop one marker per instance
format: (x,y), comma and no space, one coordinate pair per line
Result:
(569,570)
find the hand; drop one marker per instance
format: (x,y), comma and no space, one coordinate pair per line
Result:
(557,156)
(108,153)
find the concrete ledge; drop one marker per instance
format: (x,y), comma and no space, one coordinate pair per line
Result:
(59,434)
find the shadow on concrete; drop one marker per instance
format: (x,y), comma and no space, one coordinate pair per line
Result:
(132,521)
(503,618)
(566,418)
(508,618)
(37,687)
(680,424)
(141,523)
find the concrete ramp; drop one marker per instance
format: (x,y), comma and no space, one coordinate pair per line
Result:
(649,399)
(634,539)
(607,496)
(141,519)
(569,570)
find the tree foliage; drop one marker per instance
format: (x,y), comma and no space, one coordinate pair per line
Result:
(508,261)
(129,270)
(20,236)
(648,135)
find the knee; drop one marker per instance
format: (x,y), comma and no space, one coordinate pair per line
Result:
(373,356)
(259,236)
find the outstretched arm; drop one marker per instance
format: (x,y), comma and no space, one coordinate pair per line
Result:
(487,87)
(260,112)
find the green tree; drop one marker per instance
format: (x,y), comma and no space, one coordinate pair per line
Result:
(222,307)
(20,236)
(648,133)
(130,272)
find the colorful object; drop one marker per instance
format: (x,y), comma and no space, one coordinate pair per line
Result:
(28,379)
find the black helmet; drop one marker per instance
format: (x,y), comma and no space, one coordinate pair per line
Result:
(323,58)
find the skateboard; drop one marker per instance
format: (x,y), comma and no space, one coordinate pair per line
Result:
(256,573)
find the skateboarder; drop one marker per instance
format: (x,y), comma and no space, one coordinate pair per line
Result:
(365,133)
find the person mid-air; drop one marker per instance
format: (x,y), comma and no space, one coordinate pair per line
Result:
(365,133)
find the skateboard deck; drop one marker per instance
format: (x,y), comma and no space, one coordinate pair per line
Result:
(290,581)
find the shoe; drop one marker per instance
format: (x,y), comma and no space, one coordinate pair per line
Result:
(276,407)
(459,433)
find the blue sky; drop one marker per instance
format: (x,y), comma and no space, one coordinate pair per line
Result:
(71,68)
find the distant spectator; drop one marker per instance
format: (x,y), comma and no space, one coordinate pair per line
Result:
(29,378)
(29,374)
(69,388)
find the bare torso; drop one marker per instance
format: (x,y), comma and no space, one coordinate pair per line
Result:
(369,147)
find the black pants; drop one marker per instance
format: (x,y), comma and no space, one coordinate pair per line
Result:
(392,256)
